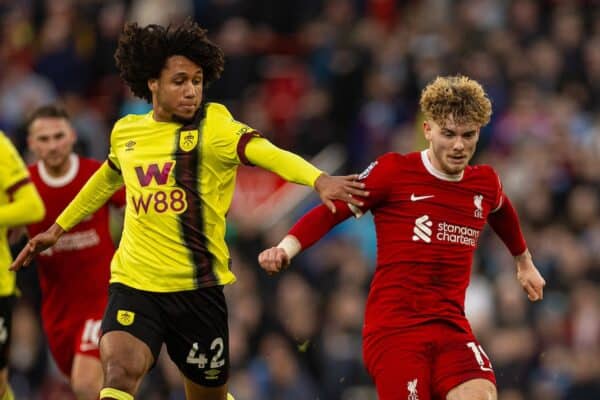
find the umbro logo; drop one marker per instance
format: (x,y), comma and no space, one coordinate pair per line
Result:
(417,198)
(130,145)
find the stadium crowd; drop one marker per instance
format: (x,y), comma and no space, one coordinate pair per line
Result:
(310,74)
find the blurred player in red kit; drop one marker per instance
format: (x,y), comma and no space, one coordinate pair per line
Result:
(429,209)
(73,274)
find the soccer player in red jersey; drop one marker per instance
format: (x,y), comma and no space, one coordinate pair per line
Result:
(73,274)
(429,209)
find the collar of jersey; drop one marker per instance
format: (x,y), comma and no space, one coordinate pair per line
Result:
(439,174)
(61,180)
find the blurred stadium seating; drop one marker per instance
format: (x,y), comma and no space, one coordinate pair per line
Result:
(311,74)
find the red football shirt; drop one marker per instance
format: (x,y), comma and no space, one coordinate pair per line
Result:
(427,225)
(74,273)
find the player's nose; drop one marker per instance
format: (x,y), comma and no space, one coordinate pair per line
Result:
(188,90)
(458,144)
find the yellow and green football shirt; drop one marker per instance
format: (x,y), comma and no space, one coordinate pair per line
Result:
(180,183)
(13,175)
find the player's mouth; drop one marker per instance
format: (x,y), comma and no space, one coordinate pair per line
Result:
(188,107)
(54,159)
(457,159)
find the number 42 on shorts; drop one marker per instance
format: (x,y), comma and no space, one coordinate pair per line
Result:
(195,357)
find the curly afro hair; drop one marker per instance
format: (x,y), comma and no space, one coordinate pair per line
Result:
(142,53)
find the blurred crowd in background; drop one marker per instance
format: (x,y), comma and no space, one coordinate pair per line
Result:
(311,74)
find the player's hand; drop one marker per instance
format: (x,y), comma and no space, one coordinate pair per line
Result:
(35,246)
(529,277)
(273,260)
(342,188)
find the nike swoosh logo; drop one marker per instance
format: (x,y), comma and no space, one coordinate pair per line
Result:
(417,198)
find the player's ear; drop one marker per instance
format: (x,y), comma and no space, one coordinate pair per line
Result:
(30,141)
(427,129)
(153,85)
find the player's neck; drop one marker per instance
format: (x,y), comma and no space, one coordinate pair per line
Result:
(160,116)
(57,177)
(432,165)
(59,170)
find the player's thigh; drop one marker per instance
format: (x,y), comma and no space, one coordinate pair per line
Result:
(125,360)
(459,359)
(400,366)
(7,304)
(86,376)
(133,331)
(198,336)
(193,391)
(473,389)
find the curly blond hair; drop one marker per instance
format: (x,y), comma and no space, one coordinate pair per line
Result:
(458,96)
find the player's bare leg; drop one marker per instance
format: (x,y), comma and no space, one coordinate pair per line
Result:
(125,361)
(86,377)
(474,389)
(193,391)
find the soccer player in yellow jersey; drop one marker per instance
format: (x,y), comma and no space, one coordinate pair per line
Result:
(20,204)
(178,163)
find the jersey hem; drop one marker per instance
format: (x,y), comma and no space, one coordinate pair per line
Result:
(173,290)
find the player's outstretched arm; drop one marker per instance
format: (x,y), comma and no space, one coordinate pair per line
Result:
(342,188)
(36,245)
(25,208)
(529,277)
(505,223)
(294,168)
(94,194)
(275,259)
(308,230)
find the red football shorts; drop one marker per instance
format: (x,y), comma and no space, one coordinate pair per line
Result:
(424,362)
(76,337)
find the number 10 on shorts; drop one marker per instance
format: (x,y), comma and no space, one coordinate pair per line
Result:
(479,356)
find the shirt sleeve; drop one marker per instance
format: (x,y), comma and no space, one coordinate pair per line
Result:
(289,166)
(317,222)
(118,199)
(112,161)
(499,192)
(13,171)
(230,135)
(25,205)
(236,143)
(25,208)
(375,178)
(97,190)
(505,222)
